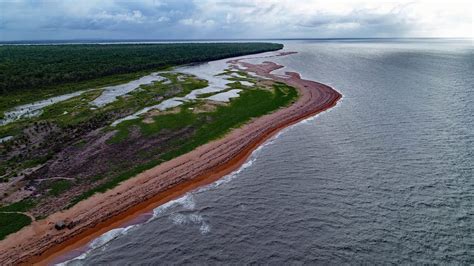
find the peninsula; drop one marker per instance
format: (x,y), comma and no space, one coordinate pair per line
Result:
(181,132)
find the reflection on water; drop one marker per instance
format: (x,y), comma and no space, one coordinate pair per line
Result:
(225,96)
(111,93)
(34,109)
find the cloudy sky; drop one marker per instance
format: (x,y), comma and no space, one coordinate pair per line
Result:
(218,19)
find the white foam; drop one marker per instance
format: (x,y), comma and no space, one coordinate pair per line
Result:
(204,229)
(77,260)
(195,218)
(187,201)
(191,219)
(227,178)
(108,236)
(178,219)
(99,243)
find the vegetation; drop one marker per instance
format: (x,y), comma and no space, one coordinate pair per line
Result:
(12,219)
(60,186)
(12,222)
(68,120)
(20,206)
(29,71)
(12,98)
(208,126)
(73,149)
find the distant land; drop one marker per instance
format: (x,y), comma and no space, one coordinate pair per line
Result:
(111,41)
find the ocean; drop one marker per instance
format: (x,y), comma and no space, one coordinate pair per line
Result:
(387,176)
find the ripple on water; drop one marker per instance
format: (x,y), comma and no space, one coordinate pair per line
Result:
(384,178)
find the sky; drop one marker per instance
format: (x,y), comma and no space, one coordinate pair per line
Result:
(232,19)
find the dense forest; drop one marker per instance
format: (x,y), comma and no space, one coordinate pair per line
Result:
(29,67)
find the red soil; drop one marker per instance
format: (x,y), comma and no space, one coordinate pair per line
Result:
(40,242)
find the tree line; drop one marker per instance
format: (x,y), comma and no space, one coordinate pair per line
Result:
(26,67)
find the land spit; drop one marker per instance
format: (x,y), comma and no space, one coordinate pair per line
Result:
(42,243)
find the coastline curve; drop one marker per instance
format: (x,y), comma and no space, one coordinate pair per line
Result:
(40,243)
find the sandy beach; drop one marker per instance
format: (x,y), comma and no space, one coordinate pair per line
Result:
(41,243)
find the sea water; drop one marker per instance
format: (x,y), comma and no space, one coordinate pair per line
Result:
(384,177)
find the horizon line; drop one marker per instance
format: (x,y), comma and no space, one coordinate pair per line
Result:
(85,40)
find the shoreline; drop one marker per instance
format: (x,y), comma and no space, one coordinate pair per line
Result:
(114,208)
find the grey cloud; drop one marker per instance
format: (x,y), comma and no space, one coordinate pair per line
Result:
(365,22)
(161,19)
(235,4)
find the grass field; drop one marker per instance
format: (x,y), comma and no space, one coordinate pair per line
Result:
(251,103)
(11,218)
(12,222)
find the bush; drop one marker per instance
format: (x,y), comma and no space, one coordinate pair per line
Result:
(12,222)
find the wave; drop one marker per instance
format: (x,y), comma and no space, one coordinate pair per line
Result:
(100,242)
(191,219)
(187,201)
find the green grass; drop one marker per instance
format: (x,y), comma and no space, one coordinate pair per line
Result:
(36,161)
(20,206)
(77,109)
(80,144)
(75,114)
(12,222)
(33,72)
(230,85)
(15,98)
(170,121)
(115,181)
(59,187)
(251,103)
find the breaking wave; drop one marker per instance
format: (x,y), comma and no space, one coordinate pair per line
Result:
(186,202)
